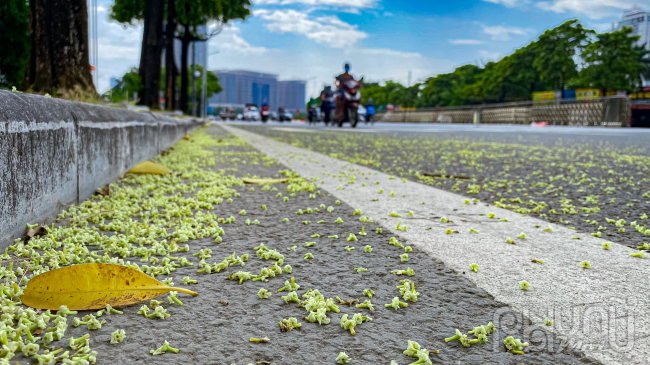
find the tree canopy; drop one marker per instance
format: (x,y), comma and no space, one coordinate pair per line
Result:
(567,55)
(612,62)
(14,39)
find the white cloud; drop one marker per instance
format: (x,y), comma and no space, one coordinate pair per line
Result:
(490,56)
(465,41)
(325,29)
(118,48)
(595,9)
(508,3)
(230,40)
(345,3)
(501,33)
(319,65)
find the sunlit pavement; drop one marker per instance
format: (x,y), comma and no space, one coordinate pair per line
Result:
(482,128)
(506,133)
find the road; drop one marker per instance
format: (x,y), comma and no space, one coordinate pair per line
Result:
(620,137)
(584,302)
(467,221)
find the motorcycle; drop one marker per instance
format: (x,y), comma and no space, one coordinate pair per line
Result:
(312,115)
(351,99)
(224,115)
(266,112)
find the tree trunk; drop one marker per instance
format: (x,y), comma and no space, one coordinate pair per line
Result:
(58,57)
(151,52)
(171,73)
(185,42)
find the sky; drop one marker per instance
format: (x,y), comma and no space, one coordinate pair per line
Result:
(382,39)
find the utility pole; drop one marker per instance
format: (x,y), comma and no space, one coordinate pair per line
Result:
(193,78)
(204,82)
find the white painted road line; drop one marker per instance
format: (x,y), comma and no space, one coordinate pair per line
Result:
(602,310)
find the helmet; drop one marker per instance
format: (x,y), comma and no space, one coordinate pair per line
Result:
(346,67)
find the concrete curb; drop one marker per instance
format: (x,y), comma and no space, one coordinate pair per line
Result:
(55,152)
(600,311)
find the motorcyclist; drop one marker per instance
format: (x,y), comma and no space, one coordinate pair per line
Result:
(327,102)
(370,112)
(340,82)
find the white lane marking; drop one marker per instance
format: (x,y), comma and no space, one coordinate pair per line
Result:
(602,309)
(288,129)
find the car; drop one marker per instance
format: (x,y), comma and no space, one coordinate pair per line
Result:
(252,113)
(240,116)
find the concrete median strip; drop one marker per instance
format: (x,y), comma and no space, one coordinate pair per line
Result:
(599,310)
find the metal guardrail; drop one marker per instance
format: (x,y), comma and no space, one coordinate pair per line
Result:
(613,111)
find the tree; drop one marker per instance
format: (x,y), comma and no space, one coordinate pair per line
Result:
(58,52)
(184,17)
(555,52)
(130,83)
(170,62)
(510,79)
(450,89)
(191,14)
(14,39)
(212,84)
(612,61)
(644,63)
(152,13)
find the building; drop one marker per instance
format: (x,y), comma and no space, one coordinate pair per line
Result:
(637,19)
(291,95)
(245,87)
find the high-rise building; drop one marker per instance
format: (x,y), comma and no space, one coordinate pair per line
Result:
(291,95)
(245,87)
(637,19)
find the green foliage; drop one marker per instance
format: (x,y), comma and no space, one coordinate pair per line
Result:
(609,61)
(511,79)
(450,89)
(556,49)
(613,62)
(390,93)
(131,82)
(127,12)
(213,81)
(14,41)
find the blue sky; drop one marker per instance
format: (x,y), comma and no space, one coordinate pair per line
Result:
(383,39)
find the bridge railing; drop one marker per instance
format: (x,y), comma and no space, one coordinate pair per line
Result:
(613,111)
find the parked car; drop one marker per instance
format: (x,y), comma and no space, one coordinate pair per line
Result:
(252,113)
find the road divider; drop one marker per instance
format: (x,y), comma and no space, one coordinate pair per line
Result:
(55,152)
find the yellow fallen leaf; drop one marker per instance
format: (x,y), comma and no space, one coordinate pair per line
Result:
(92,286)
(149,167)
(264,181)
(187,136)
